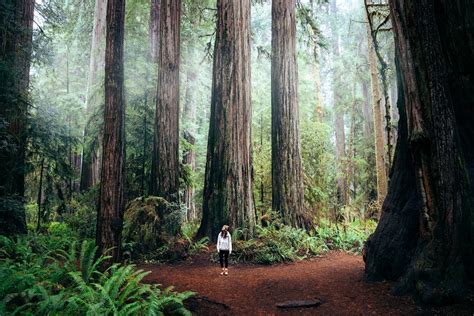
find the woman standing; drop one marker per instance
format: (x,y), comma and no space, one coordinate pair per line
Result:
(224,248)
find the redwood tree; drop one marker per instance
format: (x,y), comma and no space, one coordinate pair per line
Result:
(165,167)
(287,173)
(111,202)
(16,25)
(424,234)
(154,29)
(228,181)
(90,158)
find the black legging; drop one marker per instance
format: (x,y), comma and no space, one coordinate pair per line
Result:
(224,258)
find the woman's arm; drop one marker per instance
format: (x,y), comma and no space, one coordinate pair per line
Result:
(230,243)
(218,242)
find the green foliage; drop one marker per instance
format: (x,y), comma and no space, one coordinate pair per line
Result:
(346,236)
(275,242)
(38,277)
(81,216)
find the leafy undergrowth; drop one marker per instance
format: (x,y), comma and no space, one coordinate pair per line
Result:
(175,249)
(277,243)
(44,275)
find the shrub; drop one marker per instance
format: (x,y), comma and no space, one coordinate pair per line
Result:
(82,214)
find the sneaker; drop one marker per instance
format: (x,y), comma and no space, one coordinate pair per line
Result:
(226,272)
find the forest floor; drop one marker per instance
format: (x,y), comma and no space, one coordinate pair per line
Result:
(336,279)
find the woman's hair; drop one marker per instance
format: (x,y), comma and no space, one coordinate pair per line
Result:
(224,231)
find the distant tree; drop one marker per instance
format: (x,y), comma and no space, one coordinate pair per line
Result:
(90,170)
(342,190)
(228,195)
(380,165)
(424,237)
(111,201)
(16,29)
(287,173)
(154,29)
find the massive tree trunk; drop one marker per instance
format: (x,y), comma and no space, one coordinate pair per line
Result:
(287,173)
(424,235)
(16,24)
(90,158)
(165,164)
(380,165)
(111,201)
(228,180)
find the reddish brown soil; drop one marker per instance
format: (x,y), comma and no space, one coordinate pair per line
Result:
(336,279)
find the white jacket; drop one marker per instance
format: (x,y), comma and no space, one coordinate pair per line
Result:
(224,243)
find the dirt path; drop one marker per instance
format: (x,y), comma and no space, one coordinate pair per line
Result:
(335,279)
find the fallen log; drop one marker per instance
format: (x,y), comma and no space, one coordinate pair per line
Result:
(299,304)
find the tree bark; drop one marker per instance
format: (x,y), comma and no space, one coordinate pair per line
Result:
(111,201)
(380,165)
(228,179)
(287,173)
(154,32)
(368,113)
(90,170)
(16,29)
(372,34)
(165,164)
(189,118)
(432,228)
(189,159)
(341,183)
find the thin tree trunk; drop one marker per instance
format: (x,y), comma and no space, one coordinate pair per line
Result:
(351,152)
(39,196)
(319,94)
(145,141)
(287,173)
(367,112)
(427,240)
(380,166)
(190,160)
(341,182)
(189,118)
(154,30)
(373,32)
(228,180)
(111,201)
(16,24)
(165,167)
(90,170)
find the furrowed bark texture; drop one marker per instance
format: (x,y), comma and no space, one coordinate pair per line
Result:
(16,25)
(434,39)
(228,180)
(165,165)
(111,201)
(287,173)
